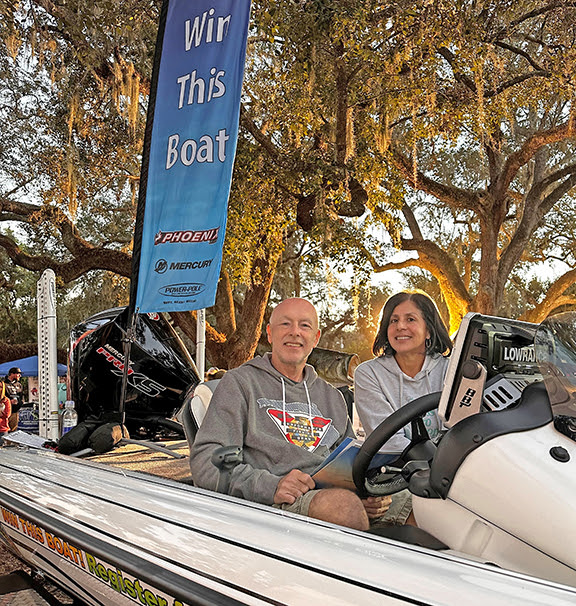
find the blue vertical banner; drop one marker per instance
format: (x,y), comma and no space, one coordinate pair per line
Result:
(192,143)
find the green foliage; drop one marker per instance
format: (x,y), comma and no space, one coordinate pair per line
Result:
(440,130)
(259,213)
(74,76)
(92,293)
(455,121)
(353,330)
(18,315)
(73,121)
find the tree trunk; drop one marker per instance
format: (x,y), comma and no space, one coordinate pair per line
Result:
(240,346)
(488,296)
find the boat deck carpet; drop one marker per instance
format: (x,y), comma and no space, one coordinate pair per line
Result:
(138,457)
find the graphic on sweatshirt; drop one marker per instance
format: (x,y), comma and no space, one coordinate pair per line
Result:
(300,429)
(300,423)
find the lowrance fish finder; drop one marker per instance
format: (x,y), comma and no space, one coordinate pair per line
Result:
(492,361)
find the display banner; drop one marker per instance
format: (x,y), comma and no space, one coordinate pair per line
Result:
(191,134)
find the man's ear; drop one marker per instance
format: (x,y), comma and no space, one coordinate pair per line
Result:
(268,333)
(318,335)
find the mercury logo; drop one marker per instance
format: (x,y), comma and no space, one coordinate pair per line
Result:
(161,266)
(184,265)
(182,290)
(518,354)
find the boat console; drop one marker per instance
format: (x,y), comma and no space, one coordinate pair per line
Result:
(502,463)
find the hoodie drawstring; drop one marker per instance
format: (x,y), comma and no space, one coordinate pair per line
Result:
(309,404)
(284,423)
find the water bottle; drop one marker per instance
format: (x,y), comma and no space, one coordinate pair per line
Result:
(69,417)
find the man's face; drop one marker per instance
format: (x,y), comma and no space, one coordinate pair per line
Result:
(14,376)
(293,333)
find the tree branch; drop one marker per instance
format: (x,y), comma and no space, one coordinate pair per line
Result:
(454,197)
(555,297)
(86,256)
(519,158)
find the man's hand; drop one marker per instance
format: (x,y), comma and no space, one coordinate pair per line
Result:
(292,486)
(376,507)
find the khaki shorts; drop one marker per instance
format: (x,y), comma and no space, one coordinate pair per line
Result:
(300,505)
(398,512)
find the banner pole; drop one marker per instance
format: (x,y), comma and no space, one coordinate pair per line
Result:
(127,342)
(140,211)
(201,342)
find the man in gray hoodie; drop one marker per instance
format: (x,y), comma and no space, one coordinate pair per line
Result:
(287,421)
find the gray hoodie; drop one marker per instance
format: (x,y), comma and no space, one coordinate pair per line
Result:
(380,388)
(281,425)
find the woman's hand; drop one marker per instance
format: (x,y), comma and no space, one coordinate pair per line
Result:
(376,507)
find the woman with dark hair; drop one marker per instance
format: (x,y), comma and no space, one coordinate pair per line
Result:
(411,348)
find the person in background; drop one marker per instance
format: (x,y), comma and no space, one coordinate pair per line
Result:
(5,411)
(14,392)
(287,421)
(411,349)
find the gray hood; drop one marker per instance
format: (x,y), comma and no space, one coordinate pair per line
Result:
(380,388)
(264,363)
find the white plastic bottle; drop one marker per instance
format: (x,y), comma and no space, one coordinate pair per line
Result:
(69,417)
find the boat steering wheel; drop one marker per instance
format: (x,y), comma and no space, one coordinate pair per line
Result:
(420,447)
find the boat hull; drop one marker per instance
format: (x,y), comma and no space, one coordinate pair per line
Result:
(115,537)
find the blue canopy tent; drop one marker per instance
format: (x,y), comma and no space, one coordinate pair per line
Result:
(28,366)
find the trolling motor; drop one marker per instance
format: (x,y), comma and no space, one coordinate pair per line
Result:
(225,459)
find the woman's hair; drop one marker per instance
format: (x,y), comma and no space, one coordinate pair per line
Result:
(439,338)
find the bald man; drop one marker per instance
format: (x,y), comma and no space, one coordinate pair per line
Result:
(287,421)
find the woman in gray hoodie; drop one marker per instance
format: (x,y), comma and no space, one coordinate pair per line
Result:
(411,348)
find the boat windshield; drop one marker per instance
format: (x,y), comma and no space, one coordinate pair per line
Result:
(555,349)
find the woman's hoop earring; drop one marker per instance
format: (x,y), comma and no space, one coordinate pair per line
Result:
(428,343)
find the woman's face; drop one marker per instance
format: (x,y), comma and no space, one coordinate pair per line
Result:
(407,331)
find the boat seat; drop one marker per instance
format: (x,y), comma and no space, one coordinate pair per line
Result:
(194,409)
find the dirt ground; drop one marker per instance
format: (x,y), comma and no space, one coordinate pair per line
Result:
(9,563)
